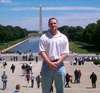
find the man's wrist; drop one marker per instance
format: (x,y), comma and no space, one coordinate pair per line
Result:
(48,62)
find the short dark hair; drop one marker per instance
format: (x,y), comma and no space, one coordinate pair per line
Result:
(51,19)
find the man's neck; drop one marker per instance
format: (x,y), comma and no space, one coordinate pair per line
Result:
(54,32)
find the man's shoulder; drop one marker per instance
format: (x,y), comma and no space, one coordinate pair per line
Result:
(64,36)
(44,36)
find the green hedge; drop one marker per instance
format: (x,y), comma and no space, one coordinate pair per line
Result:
(96,62)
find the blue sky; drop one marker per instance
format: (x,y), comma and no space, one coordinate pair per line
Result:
(25,13)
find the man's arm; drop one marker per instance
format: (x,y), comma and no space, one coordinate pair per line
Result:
(46,59)
(62,57)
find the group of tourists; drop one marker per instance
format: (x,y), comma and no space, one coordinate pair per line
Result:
(77,76)
(80,60)
(24,57)
(27,72)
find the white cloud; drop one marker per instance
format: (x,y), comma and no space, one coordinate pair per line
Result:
(82,19)
(70,8)
(5,1)
(29,22)
(70,19)
(32,23)
(24,8)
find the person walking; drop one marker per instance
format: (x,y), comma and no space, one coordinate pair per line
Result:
(79,75)
(4,64)
(67,78)
(38,80)
(36,59)
(32,80)
(53,48)
(12,68)
(76,75)
(93,78)
(4,80)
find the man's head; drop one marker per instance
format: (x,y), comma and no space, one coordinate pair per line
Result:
(52,23)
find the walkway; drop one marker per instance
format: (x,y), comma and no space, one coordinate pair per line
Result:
(83,87)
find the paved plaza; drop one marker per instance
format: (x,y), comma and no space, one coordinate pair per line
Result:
(17,78)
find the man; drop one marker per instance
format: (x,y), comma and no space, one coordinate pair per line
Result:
(38,81)
(53,48)
(32,80)
(67,78)
(4,80)
(93,78)
(12,68)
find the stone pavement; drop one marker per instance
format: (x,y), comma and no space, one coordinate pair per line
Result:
(83,87)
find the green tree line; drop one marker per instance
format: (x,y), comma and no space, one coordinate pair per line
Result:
(10,33)
(90,34)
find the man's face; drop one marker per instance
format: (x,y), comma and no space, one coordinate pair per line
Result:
(53,25)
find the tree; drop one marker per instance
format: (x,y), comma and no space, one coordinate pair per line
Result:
(88,34)
(97,35)
(10,33)
(73,33)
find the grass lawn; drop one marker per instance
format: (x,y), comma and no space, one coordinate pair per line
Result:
(6,45)
(79,47)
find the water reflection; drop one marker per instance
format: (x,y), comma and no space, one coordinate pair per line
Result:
(30,45)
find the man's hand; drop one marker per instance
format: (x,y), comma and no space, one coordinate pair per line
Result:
(53,65)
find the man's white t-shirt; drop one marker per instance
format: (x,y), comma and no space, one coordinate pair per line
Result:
(54,45)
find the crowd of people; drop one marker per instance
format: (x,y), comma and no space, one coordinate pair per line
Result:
(80,60)
(28,74)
